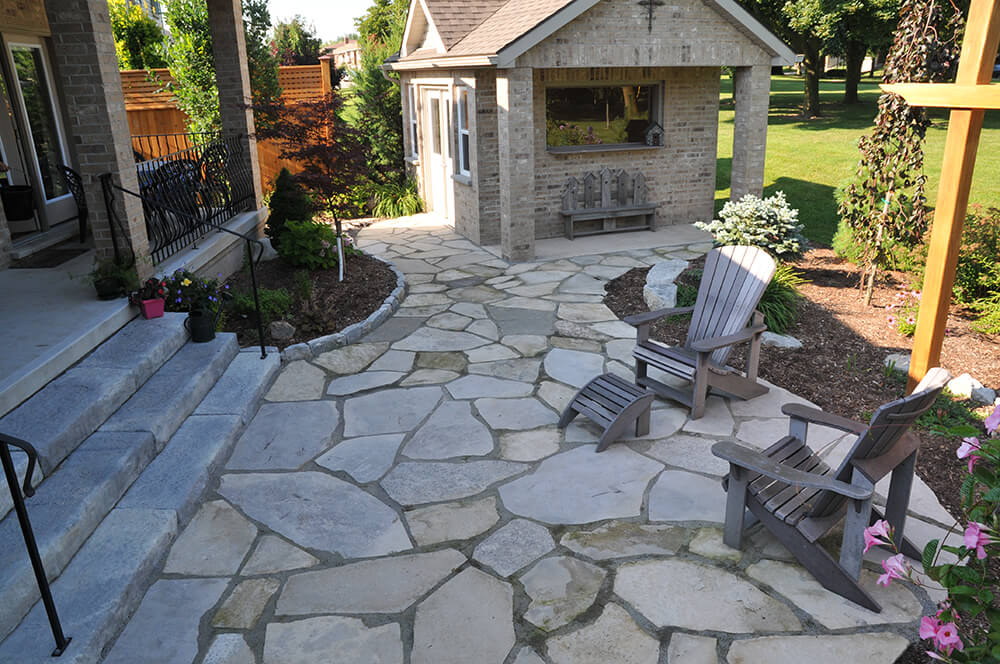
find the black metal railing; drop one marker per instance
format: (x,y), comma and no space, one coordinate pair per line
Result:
(156,146)
(17,495)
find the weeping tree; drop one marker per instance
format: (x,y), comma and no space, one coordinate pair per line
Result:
(885,204)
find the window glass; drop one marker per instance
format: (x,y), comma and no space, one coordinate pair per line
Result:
(41,117)
(599,115)
(463,131)
(414,143)
(435,113)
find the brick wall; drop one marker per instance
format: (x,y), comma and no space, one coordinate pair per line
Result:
(486,168)
(680,175)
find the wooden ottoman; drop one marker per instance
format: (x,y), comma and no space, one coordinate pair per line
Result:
(613,403)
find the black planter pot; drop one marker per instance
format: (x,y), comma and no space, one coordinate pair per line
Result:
(108,288)
(201,325)
(18,202)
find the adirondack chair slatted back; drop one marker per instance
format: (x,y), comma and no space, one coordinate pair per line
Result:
(887,427)
(732,284)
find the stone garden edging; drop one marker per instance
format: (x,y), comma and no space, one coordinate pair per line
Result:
(352,333)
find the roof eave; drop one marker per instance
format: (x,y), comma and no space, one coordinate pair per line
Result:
(442,62)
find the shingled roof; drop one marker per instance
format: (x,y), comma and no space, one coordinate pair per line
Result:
(511,20)
(455,19)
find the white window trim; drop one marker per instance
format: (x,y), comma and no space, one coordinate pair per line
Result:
(462,128)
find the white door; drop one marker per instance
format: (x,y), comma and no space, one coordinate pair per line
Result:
(436,105)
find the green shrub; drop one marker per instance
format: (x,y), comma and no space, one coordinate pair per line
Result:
(275,304)
(780,302)
(897,256)
(768,223)
(989,314)
(393,200)
(903,312)
(288,202)
(311,245)
(978,273)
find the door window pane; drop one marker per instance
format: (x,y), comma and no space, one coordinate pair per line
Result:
(41,119)
(436,125)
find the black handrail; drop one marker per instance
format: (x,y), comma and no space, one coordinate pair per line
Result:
(29,536)
(186,216)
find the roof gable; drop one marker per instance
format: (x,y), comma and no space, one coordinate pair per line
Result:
(455,20)
(421,34)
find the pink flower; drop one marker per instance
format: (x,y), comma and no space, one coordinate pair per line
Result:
(976,539)
(915,294)
(934,655)
(929,627)
(895,568)
(993,421)
(911,321)
(891,320)
(878,534)
(968,448)
(947,638)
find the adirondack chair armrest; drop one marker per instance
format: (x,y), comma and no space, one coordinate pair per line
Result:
(816,416)
(635,320)
(754,461)
(712,343)
(876,468)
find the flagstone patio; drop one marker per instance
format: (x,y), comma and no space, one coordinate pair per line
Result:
(409,499)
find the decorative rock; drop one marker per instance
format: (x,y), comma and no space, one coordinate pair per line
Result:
(898,361)
(283,436)
(682,496)
(311,641)
(468,619)
(613,639)
(515,413)
(213,544)
(963,385)
(318,512)
(578,486)
(664,273)
(451,431)
(573,367)
(518,369)
(528,345)
(691,649)
(623,539)
(708,544)
(451,521)
(529,445)
(245,604)
(362,382)
(351,359)
(560,588)
(660,297)
(280,330)
(229,649)
(430,339)
(298,381)
(430,482)
(389,411)
(714,599)
(429,377)
(384,585)
(514,546)
(274,554)
(775,340)
(365,459)
(984,395)
(826,649)
(490,353)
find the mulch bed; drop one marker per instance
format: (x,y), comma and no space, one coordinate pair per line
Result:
(331,306)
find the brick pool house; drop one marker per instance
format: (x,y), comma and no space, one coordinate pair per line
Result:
(505,100)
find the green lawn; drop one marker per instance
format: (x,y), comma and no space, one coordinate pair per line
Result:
(809,160)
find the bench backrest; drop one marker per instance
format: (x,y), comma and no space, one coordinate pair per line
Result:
(605,189)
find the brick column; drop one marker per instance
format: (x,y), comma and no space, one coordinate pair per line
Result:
(225,18)
(751,92)
(516,134)
(86,70)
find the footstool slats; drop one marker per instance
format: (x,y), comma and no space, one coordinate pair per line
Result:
(612,403)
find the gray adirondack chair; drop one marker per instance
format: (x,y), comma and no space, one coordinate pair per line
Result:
(799,498)
(732,284)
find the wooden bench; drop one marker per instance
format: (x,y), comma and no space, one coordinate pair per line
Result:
(606,196)
(613,403)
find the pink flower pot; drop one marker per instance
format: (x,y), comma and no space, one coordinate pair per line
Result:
(152,308)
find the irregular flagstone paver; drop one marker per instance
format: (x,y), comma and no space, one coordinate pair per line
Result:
(470,309)
(560,588)
(528,345)
(762,433)
(451,521)
(490,353)
(385,585)
(527,656)
(245,604)
(533,291)
(213,544)
(449,321)
(394,360)
(529,445)
(621,350)
(426,299)
(663,422)
(869,647)
(583,284)
(898,604)
(517,369)
(313,640)
(229,649)
(484,328)
(274,554)
(766,405)
(429,377)
(585,313)
(319,512)
(573,367)
(478,294)
(427,338)
(580,486)
(515,413)
(468,619)
(616,329)
(351,359)
(714,599)
(572,343)
(691,649)
(570,329)
(474,387)
(623,539)
(682,496)
(556,394)
(450,361)
(613,639)
(717,420)
(688,452)
(512,320)
(299,381)
(283,436)
(514,546)
(451,431)
(708,543)
(544,276)
(365,459)
(346,385)
(389,411)
(414,483)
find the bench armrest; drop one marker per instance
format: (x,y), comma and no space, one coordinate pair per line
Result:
(712,343)
(635,320)
(752,460)
(798,411)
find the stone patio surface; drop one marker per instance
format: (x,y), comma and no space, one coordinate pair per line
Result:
(408,499)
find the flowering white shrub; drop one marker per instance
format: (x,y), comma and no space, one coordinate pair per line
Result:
(768,223)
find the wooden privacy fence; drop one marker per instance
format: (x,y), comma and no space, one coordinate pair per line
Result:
(153,113)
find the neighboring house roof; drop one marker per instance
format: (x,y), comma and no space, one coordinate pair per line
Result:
(345,46)
(496,32)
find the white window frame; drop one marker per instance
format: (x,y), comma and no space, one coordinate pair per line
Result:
(411,92)
(464,162)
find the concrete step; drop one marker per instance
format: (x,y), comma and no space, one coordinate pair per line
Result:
(20,467)
(65,412)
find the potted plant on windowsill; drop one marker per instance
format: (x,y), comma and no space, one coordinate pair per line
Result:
(150,298)
(112,279)
(200,298)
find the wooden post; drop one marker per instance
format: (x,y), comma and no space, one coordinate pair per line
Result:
(324,71)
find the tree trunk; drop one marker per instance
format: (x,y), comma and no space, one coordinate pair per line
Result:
(631,103)
(811,64)
(855,58)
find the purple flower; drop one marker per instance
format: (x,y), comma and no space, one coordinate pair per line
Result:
(993,421)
